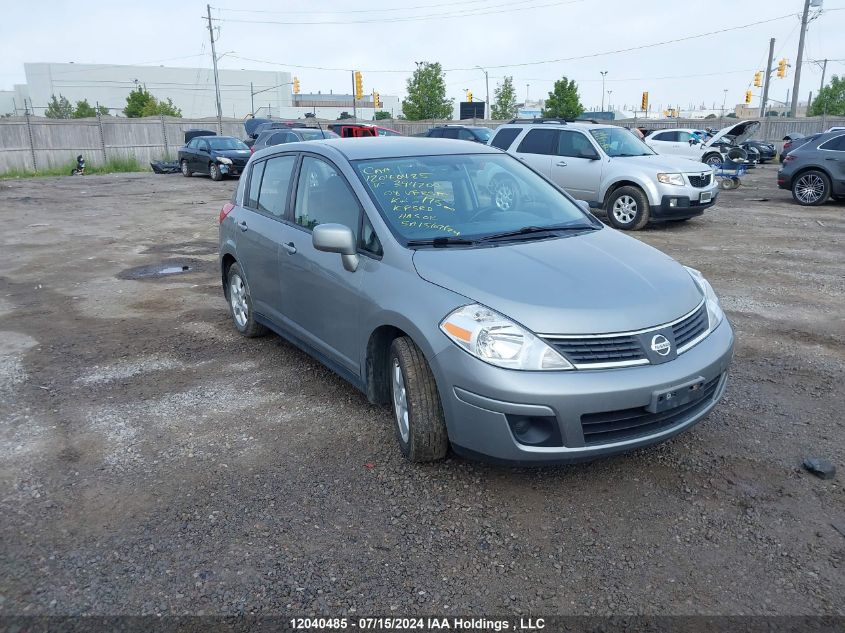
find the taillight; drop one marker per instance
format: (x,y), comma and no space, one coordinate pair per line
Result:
(788,158)
(786,146)
(252,149)
(226,210)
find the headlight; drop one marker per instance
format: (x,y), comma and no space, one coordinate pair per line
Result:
(497,340)
(714,309)
(671,179)
(224,160)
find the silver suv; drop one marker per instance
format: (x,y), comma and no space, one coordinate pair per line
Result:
(609,168)
(531,335)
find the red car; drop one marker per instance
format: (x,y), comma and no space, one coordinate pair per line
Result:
(352,130)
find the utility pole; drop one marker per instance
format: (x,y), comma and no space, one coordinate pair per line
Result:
(354,101)
(251,99)
(824,102)
(767,79)
(603,73)
(216,77)
(487,111)
(793,109)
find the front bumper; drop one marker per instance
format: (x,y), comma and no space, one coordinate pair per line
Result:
(675,207)
(482,402)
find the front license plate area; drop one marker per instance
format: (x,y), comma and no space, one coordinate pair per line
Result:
(666,399)
(706,196)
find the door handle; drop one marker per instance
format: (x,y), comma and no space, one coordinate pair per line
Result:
(561,163)
(831,158)
(289,247)
(242,225)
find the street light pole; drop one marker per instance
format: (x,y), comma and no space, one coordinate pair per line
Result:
(609,92)
(487,85)
(603,73)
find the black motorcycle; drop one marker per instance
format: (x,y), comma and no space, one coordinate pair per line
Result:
(79,170)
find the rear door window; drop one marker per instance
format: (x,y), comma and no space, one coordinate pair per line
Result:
(450,133)
(539,142)
(436,133)
(275,185)
(835,144)
(666,136)
(466,135)
(505,137)
(278,138)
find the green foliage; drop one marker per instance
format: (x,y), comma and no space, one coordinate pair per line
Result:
(58,108)
(710,116)
(381,115)
(427,94)
(731,115)
(114,165)
(103,110)
(84,110)
(831,99)
(344,115)
(563,101)
(504,104)
(141,103)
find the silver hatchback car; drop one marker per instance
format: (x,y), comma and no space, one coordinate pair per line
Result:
(531,335)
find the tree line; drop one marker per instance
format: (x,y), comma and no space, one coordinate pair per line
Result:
(139,103)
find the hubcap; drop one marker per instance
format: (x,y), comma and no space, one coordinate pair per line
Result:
(214,171)
(237,297)
(809,188)
(400,401)
(714,161)
(184,167)
(625,209)
(504,196)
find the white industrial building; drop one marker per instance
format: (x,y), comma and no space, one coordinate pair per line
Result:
(190,89)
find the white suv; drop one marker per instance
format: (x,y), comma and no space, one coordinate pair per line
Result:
(609,168)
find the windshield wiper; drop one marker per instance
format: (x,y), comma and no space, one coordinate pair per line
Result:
(441,242)
(529,230)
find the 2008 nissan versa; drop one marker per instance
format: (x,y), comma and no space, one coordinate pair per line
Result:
(533,334)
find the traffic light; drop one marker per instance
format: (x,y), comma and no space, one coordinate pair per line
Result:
(758,79)
(782,68)
(469,96)
(747,97)
(376,99)
(359,85)
(644,103)
(296,85)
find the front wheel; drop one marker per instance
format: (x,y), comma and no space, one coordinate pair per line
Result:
(186,171)
(713,160)
(417,411)
(811,188)
(214,172)
(628,209)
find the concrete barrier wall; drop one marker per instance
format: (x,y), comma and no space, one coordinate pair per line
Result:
(30,142)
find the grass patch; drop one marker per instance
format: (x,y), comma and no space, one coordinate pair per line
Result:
(113,166)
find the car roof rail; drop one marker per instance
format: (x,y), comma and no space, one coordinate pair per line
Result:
(539,120)
(596,121)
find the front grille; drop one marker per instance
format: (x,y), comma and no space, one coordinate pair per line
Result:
(699,181)
(626,424)
(690,328)
(590,351)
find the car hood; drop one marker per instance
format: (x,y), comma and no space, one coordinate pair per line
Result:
(594,283)
(251,126)
(736,133)
(664,163)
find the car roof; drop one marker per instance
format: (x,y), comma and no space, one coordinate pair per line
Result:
(575,125)
(384,147)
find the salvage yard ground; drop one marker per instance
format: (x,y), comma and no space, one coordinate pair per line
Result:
(153,461)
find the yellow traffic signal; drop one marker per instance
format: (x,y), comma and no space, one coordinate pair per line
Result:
(469,96)
(376,99)
(782,68)
(644,103)
(747,97)
(758,79)
(359,85)
(296,85)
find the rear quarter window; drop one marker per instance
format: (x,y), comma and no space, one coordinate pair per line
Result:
(538,142)
(505,137)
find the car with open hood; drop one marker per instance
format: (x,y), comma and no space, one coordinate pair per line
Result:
(527,335)
(687,142)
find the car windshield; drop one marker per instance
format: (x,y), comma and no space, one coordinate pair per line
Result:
(468,195)
(617,141)
(484,133)
(224,143)
(313,135)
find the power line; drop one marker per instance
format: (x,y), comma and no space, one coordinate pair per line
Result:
(352,11)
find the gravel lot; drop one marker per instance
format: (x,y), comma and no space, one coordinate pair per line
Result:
(152,461)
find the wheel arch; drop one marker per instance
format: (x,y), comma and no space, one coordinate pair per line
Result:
(226,262)
(803,170)
(625,183)
(376,373)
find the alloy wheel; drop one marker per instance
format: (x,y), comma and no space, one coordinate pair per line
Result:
(625,209)
(809,188)
(400,401)
(237,297)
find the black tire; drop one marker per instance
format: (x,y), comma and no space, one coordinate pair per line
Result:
(504,193)
(713,159)
(628,209)
(186,171)
(214,172)
(240,303)
(423,438)
(811,188)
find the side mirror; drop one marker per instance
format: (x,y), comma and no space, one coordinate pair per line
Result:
(337,238)
(693,141)
(584,205)
(588,153)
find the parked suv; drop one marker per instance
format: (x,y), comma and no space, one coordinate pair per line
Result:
(608,167)
(475,133)
(528,335)
(815,171)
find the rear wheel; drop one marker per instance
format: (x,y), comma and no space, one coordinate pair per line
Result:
(811,188)
(186,171)
(214,171)
(240,303)
(628,209)
(417,411)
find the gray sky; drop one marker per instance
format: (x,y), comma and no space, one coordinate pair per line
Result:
(465,33)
